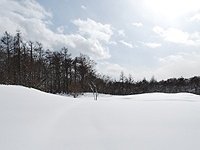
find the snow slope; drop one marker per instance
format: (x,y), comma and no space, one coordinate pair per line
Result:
(34,120)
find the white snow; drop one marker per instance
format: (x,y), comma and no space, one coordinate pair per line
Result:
(34,120)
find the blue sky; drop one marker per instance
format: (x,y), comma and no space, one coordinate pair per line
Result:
(144,38)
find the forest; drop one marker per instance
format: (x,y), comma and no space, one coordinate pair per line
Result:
(27,63)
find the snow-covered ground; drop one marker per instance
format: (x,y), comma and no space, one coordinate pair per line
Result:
(34,120)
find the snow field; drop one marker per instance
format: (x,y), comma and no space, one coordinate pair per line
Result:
(34,120)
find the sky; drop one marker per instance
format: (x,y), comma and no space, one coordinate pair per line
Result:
(144,38)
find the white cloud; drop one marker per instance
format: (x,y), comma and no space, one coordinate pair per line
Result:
(60,29)
(86,45)
(18,14)
(126,44)
(183,64)
(158,30)
(113,43)
(172,9)
(33,21)
(173,66)
(94,30)
(98,35)
(114,68)
(111,69)
(196,17)
(178,36)
(137,24)
(153,45)
(121,33)
(83,7)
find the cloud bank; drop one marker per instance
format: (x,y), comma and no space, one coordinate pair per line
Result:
(137,24)
(178,36)
(127,44)
(34,22)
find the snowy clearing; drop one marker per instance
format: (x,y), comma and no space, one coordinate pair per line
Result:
(34,120)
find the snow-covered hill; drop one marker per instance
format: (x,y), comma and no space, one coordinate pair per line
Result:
(34,120)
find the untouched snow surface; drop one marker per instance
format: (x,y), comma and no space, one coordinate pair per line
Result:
(34,120)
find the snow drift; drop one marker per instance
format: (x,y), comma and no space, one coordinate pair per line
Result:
(34,120)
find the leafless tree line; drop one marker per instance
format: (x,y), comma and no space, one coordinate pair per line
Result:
(27,63)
